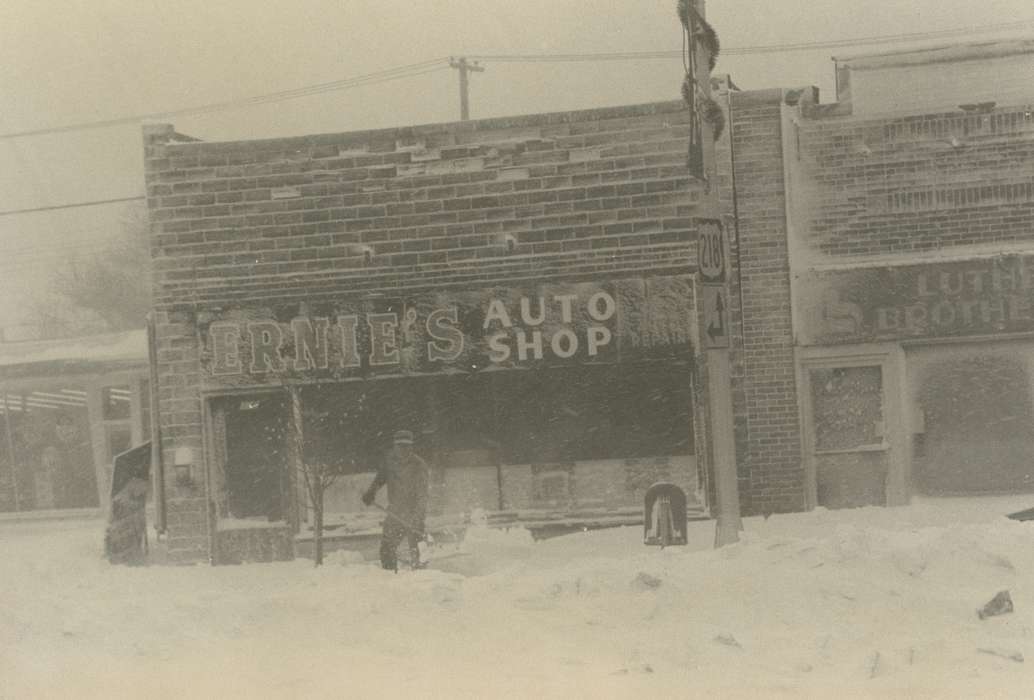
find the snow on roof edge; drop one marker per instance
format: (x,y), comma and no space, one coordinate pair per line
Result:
(108,347)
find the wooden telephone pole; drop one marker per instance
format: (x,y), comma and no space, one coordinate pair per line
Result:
(465,68)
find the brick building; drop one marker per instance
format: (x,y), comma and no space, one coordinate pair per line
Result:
(67,407)
(522,294)
(518,292)
(911,226)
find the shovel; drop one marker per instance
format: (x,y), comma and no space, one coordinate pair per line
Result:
(426,545)
(426,541)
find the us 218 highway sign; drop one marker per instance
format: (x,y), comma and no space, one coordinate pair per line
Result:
(711,251)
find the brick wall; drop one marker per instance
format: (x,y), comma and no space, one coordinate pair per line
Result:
(769,459)
(581,193)
(587,194)
(906,185)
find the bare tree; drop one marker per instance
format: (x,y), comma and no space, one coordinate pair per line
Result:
(108,289)
(317,475)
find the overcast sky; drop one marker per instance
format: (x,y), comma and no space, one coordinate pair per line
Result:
(84,60)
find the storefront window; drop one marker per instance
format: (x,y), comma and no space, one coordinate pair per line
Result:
(115,402)
(847,405)
(120,438)
(469,426)
(973,419)
(47,454)
(598,412)
(349,425)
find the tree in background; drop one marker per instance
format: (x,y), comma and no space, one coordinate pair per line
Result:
(105,290)
(112,283)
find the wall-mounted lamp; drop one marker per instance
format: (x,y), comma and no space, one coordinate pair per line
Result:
(367,252)
(184,466)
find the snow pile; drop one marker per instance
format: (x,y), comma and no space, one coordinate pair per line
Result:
(870,602)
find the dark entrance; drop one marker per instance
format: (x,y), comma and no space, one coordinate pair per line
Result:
(256,458)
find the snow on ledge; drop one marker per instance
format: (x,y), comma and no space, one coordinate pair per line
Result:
(248,524)
(109,347)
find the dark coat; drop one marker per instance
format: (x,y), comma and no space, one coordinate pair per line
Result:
(407,480)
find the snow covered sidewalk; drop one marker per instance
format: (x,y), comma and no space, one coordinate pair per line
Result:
(862,603)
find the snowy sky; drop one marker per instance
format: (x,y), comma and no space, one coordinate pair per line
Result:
(86,60)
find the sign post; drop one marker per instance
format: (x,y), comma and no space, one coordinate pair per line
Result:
(712,271)
(712,262)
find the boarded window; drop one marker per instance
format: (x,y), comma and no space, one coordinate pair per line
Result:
(973,428)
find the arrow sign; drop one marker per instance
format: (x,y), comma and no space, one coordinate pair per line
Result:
(716,322)
(716,326)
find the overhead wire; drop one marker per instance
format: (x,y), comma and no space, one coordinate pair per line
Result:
(760,49)
(75,205)
(441,63)
(407,71)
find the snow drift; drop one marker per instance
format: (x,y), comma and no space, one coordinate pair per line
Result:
(869,602)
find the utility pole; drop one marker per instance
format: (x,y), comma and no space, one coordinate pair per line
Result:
(713,288)
(464,68)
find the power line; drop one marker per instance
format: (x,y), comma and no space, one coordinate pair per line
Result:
(761,49)
(12,212)
(435,64)
(407,71)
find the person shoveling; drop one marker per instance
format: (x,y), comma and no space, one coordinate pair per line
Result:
(406,475)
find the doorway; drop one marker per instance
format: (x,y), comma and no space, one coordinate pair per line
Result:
(255,455)
(853,433)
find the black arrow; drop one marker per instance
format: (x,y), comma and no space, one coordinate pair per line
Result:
(716,329)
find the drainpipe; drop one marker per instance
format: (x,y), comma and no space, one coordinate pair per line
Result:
(157,461)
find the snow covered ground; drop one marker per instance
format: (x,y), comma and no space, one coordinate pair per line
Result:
(861,603)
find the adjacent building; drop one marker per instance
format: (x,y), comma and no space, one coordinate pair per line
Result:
(67,407)
(911,226)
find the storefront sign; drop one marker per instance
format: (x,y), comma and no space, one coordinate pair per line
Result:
(466,331)
(975,297)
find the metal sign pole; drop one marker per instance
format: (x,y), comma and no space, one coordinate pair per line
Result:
(713,266)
